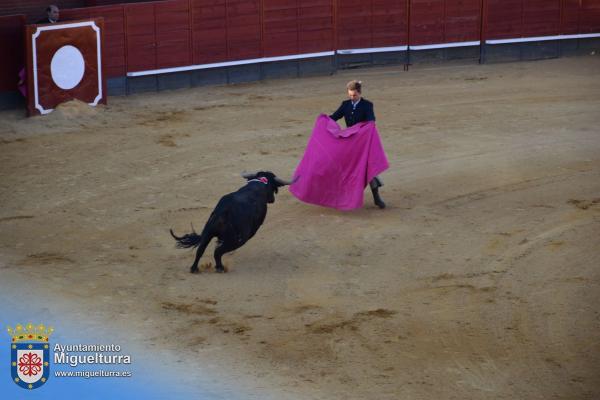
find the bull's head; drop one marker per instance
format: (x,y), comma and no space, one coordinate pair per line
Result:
(273,182)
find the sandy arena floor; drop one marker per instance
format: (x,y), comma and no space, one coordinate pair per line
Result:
(480,280)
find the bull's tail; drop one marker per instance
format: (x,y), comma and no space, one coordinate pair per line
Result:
(188,240)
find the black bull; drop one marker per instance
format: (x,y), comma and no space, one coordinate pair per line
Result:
(235,219)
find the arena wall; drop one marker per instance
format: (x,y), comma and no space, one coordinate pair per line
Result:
(34,10)
(181,43)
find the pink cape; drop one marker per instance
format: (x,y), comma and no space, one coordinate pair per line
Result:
(338,164)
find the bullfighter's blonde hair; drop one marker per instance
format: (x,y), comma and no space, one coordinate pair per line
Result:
(354,85)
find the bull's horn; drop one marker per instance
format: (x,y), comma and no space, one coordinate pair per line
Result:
(248,175)
(284,182)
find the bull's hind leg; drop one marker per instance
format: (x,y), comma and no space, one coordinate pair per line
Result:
(201,247)
(222,248)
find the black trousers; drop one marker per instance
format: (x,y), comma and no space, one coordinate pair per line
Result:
(376,183)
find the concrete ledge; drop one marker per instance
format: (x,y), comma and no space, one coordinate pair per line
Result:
(316,66)
(177,80)
(539,50)
(243,73)
(463,53)
(345,61)
(587,46)
(426,56)
(568,48)
(495,53)
(212,76)
(142,84)
(467,53)
(390,58)
(116,86)
(279,69)
(579,47)
(12,100)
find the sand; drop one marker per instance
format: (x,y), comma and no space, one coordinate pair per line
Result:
(479,281)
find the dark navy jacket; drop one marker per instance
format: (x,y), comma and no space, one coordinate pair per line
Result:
(363,112)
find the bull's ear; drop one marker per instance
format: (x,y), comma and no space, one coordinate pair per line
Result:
(249,175)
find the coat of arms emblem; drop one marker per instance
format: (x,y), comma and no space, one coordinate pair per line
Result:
(30,355)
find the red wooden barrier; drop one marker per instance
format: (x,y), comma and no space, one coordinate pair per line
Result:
(63,64)
(589,21)
(426,21)
(389,23)
(173,34)
(209,31)
(354,24)
(569,22)
(532,18)
(463,21)
(297,27)
(244,33)
(280,27)
(12,49)
(541,18)
(503,19)
(371,23)
(315,26)
(140,31)
(114,39)
(162,34)
(444,21)
(114,35)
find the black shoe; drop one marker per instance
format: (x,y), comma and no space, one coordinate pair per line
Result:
(377,199)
